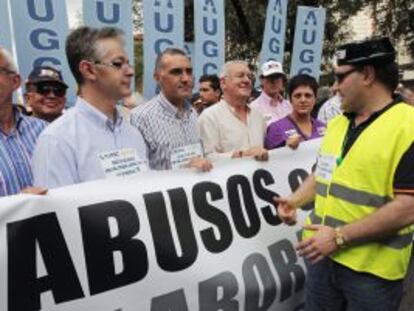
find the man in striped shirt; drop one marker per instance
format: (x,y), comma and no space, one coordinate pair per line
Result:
(18,134)
(167,122)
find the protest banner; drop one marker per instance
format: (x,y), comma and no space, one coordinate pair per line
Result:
(40,30)
(163,28)
(308,42)
(163,240)
(5,33)
(209,25)
(273,44)
(111,13)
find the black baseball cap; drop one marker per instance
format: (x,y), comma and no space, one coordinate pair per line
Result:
(45,74)
(371,51)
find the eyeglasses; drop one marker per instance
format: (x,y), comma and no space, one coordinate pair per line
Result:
(6,71)
(273,78)
(116,64)
(340,76)
(46,89)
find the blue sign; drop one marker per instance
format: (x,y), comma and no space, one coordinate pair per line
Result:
(40,30)
(111,13)
(163,28)
(5,33)
(209,37)
(273,45)
(307,48)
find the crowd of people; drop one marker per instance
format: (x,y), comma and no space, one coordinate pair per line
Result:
(357,240)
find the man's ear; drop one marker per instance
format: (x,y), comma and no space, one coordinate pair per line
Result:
(156,75)
(17,81)
(87,69)
(369,75)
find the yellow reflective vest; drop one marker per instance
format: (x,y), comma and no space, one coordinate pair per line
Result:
(362,182)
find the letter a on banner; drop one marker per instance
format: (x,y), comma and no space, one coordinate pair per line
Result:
(111,13)
(307,47)
(273,45)
(209,37)
(5,33)
(163,28)
(40,30)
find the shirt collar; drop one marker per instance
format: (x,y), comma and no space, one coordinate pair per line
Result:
(232,109)
(173,110)
(271,101)
(97,116)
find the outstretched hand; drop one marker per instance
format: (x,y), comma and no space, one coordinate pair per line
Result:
(286,210)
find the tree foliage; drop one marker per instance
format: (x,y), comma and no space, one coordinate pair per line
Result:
(245,21)
(394,18)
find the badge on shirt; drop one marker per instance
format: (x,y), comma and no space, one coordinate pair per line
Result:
(291,132)
(321,130)
(181,155)
(325,166)
(122,162)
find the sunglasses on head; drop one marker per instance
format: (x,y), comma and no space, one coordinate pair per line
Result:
(45,89)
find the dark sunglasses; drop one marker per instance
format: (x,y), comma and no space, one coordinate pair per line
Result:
(339,77)
(45,89)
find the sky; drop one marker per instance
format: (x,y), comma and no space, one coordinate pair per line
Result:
(73,7)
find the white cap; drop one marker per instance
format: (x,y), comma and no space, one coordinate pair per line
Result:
(270,68)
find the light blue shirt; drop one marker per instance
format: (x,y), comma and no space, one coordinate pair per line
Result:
(67,151)
(16,149)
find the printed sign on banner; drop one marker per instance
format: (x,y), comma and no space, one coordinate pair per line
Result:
(273,45)
(158,241)
(209,44)
(163,28)
(307,47)
(111,13)
(40,30)
(5,33)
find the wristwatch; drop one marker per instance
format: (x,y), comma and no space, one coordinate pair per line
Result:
(339,238)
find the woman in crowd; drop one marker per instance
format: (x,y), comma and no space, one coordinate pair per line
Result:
(299,125)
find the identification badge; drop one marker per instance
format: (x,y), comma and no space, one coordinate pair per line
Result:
(181,155)
(326,166)
(291,132)
(122,162)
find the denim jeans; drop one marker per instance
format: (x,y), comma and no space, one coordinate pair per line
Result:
(333,287)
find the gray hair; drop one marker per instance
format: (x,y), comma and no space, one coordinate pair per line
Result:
(167,51)
(224,72)
(83,44)
(10,64)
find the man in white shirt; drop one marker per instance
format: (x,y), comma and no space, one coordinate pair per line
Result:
(231,128)
(92,140)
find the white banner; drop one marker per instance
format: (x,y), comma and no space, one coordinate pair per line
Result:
(159,241)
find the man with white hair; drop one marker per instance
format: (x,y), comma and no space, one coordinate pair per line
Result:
(18,134)
(231,128)
(271,102)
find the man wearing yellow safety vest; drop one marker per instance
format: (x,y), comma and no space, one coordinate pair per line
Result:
(357,241)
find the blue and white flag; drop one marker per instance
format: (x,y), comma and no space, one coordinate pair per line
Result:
(273,45)
(5,32)
(40,30)
(111,13)
(209,37)
(307,48)
(163,28)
